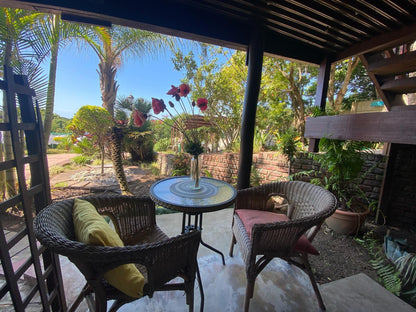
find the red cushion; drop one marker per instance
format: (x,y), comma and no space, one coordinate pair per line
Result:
(250,217)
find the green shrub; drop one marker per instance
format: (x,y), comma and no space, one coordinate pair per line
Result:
(64,143)
(162,145)
(86,147)
(180,164)
(255,178)
(61,184)
(81,160)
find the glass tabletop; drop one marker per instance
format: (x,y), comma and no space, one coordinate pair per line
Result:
(177,193)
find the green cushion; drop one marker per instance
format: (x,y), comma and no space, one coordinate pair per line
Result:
(91,228)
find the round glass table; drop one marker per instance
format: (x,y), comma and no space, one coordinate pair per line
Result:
(178,193)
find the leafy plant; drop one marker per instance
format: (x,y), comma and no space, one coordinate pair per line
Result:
(65,143)
(288,143)
(162,145)
(94,122)
(54,170)
(387,272)
(260,140)
(180,164)
(406,265)
(81,160)
(255,177)
(86,147)
(341,163)
(154,168)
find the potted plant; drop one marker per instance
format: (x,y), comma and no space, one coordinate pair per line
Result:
(341,169)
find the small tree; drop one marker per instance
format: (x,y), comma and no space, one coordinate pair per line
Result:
(95,122)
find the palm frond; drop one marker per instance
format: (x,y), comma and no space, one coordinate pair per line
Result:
(407,266)
(36,78)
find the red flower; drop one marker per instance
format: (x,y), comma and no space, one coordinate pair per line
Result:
(184,89)
(173,91)
(121,122)
(202,103)
(158,106)
(138,118)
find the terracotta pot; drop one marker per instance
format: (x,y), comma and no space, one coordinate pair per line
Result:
(347,222)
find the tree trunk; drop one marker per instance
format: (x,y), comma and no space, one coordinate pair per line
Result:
(115,146)
(10,183)
(108,86)
(50,97)
(331,87)
(336,101)
(352,64)
(102,159)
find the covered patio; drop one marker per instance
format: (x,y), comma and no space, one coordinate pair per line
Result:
(319,32)
(281,287)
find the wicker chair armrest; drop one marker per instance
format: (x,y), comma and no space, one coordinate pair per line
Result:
(159,258)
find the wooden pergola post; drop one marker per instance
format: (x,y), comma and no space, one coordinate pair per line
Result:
(255,62)
(321,94)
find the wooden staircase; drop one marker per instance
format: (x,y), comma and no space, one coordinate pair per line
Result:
(393,72)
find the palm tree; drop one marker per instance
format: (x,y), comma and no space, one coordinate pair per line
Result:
(18,50)
(113,46)
(53,34)
(137,141)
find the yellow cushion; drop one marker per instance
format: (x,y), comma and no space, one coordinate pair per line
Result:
(91,228)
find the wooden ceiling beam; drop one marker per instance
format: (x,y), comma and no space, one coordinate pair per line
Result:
(396,126)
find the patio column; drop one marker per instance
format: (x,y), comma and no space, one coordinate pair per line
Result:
(321,94)
(248,120)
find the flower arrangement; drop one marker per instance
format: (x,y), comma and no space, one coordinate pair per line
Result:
(178,121)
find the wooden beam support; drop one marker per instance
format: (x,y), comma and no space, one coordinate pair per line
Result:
(396,126)
(380,42)
(321,95)
(384,97)
(255,62)
(323,80)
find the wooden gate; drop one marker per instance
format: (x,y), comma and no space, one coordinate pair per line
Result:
(19,252)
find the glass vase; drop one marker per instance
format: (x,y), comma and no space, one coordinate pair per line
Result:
(195,170)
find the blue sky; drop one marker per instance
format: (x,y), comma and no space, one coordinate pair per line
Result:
(77,81)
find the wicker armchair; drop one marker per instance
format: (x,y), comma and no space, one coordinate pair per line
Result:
(159,258)
(308,206)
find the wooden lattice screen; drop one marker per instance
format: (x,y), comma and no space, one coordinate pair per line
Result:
(19,252)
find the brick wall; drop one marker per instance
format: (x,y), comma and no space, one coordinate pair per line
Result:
(272,166)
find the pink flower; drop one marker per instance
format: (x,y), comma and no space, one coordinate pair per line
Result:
(121,122)
(184,89)
(158,106)
(173,91)
(138,118)
(202,103)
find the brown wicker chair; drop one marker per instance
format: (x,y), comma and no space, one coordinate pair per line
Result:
(308,206)
(159,258)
